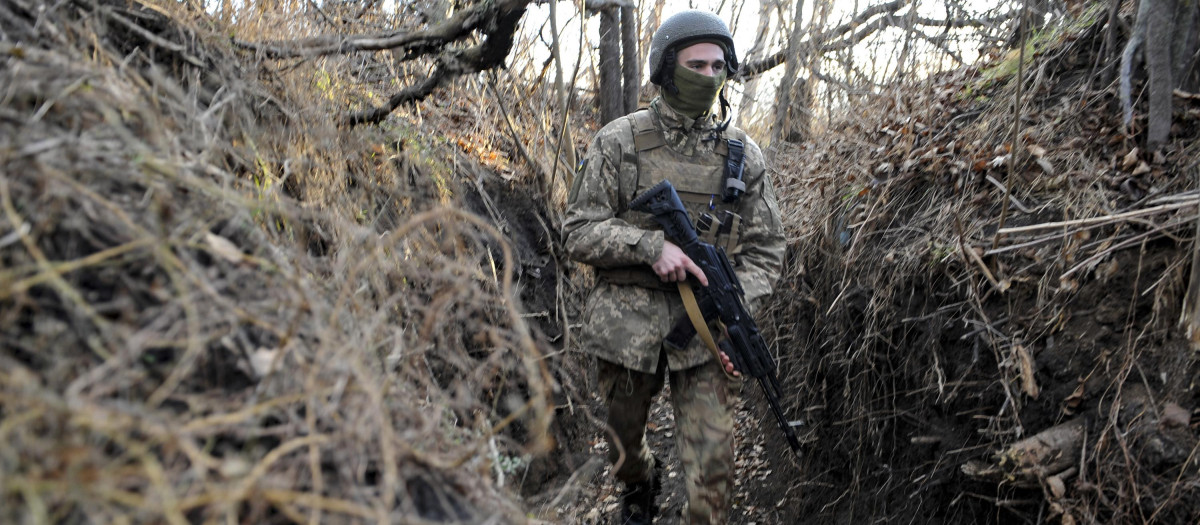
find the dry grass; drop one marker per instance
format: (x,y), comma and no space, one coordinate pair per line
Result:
(216,306)
(940,323)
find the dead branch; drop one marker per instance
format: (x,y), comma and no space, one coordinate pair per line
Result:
(1100,221)
(497,21)
(862,26)
(483,16)
(409,95)
(486,55)
(1050,452)
(596,6)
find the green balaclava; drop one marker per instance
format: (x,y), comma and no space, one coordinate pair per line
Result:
(697,93)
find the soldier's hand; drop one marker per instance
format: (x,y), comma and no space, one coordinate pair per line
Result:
(673,265)
(727,363)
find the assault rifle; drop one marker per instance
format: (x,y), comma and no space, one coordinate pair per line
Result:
(720,300)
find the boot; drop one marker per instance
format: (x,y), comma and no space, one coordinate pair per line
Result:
(637,500)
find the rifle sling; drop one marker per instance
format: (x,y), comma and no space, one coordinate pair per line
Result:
(693,312)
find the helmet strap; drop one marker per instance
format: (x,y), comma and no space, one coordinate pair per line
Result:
(668,73)
(725,113)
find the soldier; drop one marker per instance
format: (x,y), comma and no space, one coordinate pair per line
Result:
(636,300)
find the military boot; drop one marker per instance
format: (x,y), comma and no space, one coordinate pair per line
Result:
(637,500)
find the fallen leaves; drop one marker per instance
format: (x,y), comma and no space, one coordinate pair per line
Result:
(1130,159)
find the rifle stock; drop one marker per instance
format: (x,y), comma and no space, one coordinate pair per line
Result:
(721,299)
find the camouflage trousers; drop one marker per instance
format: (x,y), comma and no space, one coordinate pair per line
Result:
(702,400)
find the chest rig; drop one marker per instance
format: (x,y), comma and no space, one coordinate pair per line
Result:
(710,184)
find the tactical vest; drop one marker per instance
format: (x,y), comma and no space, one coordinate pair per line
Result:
(700,181)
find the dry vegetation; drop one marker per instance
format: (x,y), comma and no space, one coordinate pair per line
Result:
(989,335)
(220,302)
(216,305)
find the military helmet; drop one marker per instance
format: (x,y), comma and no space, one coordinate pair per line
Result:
(682,29)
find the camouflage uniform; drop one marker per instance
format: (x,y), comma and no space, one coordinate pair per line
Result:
(630,311)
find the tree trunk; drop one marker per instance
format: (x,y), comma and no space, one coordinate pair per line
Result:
(910,29)
(631,63)
(651,25)
(1164,34)
(610,95)
(787,111)
(750,87)
(1129,58)
(565,145)
(1110,42)
(1158,65)
(798,124)
(1185,44)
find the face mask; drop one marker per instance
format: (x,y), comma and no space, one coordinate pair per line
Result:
(697,92)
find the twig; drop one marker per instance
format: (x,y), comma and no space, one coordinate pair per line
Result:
(512,131)
(1112,249)
(1008,195)
(324,503)
(64,288)
(154,39)
(1098,221)
(1190,316)
(1014,149)
(969,252)
(62,268)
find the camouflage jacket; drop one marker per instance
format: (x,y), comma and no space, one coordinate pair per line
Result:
(629,312)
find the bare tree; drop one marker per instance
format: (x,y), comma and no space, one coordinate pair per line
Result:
(791,109)
(762,36)
(631,65)
(609,96)
(1169,50)
(650,24)
(867,23)
(560,89)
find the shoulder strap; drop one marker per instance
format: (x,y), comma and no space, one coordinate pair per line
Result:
(645,135)
(734,164)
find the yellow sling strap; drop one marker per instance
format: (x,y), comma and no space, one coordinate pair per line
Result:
(697,318)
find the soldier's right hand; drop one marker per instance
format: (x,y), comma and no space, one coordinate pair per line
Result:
(673,265)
